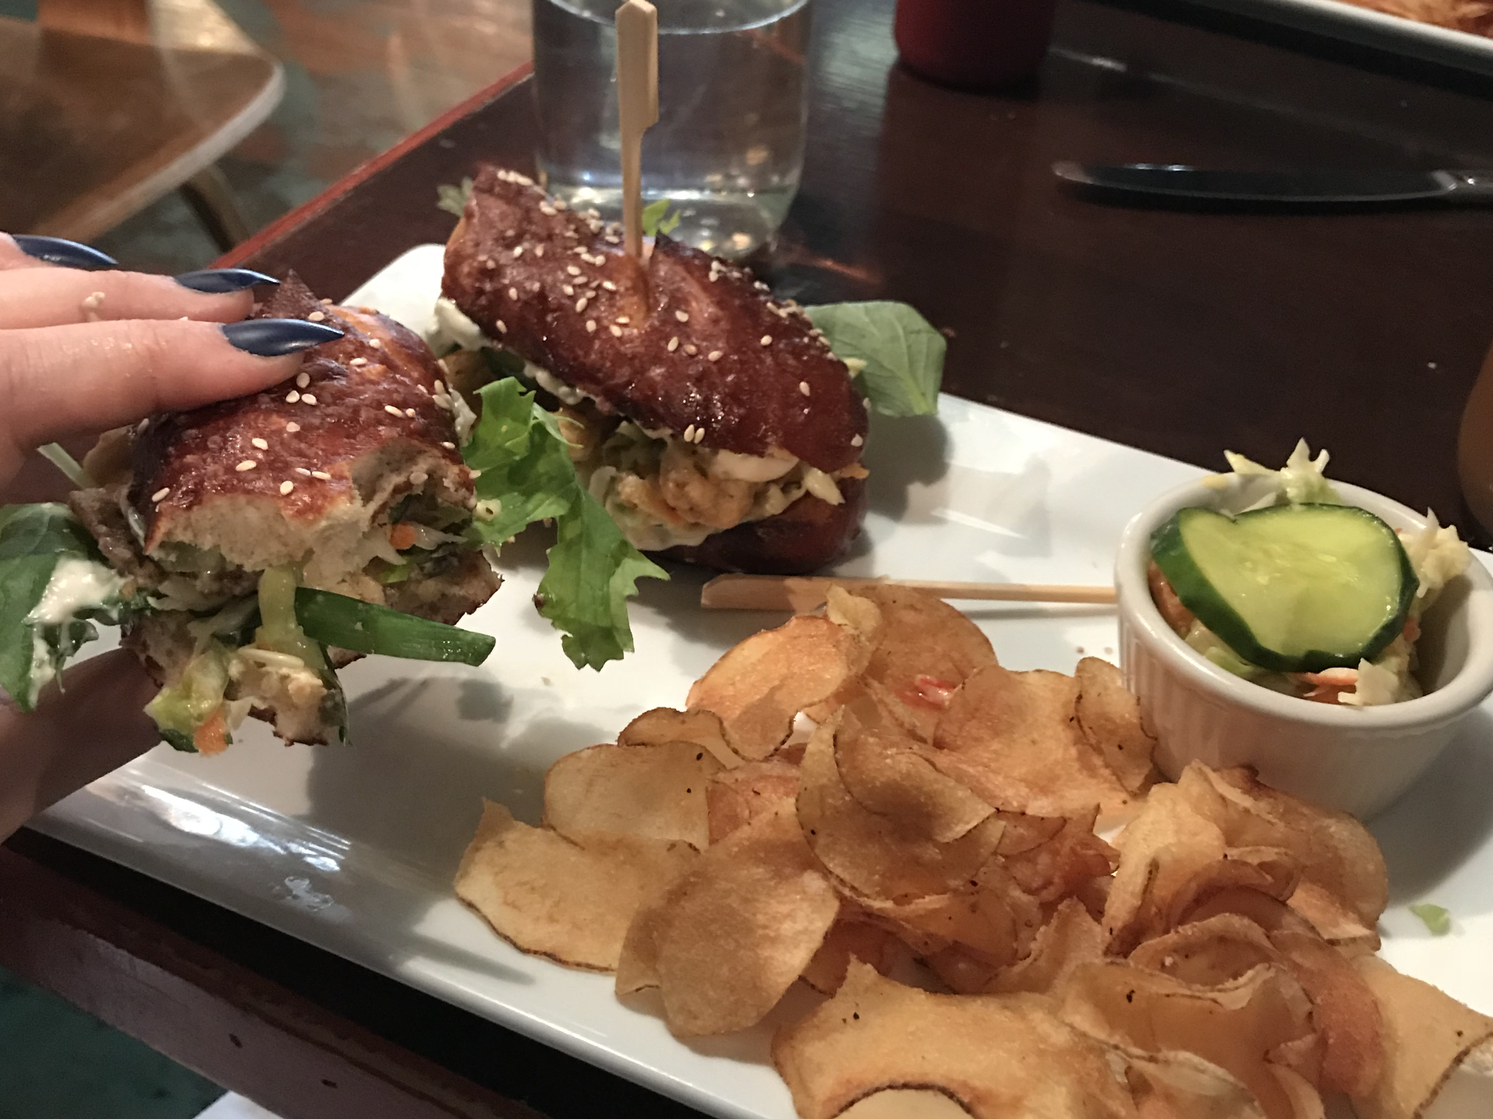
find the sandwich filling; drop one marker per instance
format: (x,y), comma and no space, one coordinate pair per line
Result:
(662,487)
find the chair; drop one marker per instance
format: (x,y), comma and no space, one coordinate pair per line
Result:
(108,105)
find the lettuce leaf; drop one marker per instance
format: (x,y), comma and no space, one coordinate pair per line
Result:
(896,354)
(34,541)
(525,472)
(657,219)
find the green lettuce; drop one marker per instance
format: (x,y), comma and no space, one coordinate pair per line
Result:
(1437,919)
(34,541)
(657,219)
(525,474)
(453,199)
(895,353)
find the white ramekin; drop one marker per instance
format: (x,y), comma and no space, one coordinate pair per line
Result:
(1357,759)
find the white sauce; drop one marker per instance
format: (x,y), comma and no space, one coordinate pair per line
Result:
(752,468)
(557,388)
(43,671)
(454,327)
(76,584)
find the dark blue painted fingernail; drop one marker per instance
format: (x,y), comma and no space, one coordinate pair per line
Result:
(56,250)
(222,281)
(275,337)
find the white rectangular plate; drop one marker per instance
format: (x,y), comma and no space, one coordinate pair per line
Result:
(354,848)
(1350,23)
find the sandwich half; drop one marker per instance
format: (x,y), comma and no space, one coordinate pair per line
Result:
(713,422)
(251,547)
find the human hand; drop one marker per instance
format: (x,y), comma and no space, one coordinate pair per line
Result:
(82,352)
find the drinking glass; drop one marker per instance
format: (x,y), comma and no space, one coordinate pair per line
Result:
(728,147)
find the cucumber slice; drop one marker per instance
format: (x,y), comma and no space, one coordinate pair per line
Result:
(1292,588)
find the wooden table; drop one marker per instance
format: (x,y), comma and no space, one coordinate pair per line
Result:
(1182,333)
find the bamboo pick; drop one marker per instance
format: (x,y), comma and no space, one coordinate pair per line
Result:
(637,103)
(800,594)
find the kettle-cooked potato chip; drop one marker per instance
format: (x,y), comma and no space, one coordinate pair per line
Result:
(852,938)
(875,856)
(656,791)
(1182,1085)
(906,1103)
(1344,884)
(740,928)
(884,772)
(664,724)
(1235,1025)
(736,797)
(1070,937)
(925,649)
(1109,717)
(760,685)
(1160,850)
(1060,866)
(568,898)
(1012,737)
(1427,1035)
(997,1055)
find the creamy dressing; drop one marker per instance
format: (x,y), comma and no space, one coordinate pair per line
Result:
(43,671)
(451,325)
(76,585)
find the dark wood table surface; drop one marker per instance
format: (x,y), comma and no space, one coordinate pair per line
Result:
(1180,333)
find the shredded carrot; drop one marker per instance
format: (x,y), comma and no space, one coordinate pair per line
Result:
(212,736)
(402,536)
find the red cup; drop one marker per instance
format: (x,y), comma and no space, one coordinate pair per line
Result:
(974,43)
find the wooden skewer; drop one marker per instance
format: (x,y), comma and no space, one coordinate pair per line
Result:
(637,103)
(803,593)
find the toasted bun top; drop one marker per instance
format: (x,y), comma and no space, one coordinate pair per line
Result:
(367,408)
(534,274)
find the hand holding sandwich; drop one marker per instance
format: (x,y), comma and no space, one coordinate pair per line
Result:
(82,352)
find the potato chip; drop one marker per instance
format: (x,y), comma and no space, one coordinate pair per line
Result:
(875,856)
(1184,1086)
(1234,1025)
(997,1055)
(1109,717)
(758,686)
(1069,938)
(570,899)
(852,939)
(854,611)
(741,927)
(925,649)
(637,961)
(990,920)
(664,724)
(906,1103)
(1160,850)
(1271,871)
(1012,738)
(1209,953)
(1427,1035)
(736,797)
(1344,884)
(883,771)
(1344,1009)
(656,791)
(1058,867)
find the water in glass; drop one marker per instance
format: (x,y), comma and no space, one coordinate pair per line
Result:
(728,146)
